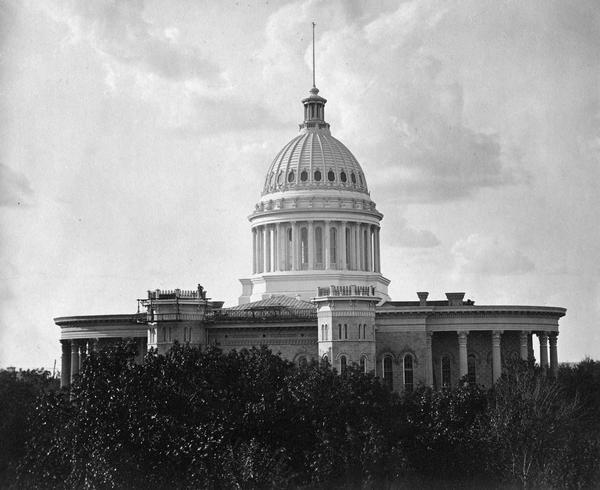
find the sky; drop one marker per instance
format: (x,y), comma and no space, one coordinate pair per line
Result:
(135,136)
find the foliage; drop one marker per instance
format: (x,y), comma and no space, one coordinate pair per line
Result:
(18,392)
(249,419)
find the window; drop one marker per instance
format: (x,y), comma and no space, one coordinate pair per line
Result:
(339,330)
(291,176)
(317,175)
(280,178)
(333,245)
(472,370)
(359,330)
(360,180)
(325,360)
(345,331)
(343,177)
(343,365)
(304,176)
(319,245)
(446,372)
(326,332)
(302,361)
(408,373)
(353,178)
(304,247)
(388,372)
(331,176)
(363,364)
(364,330)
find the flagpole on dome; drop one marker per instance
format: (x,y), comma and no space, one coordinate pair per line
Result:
(313,46)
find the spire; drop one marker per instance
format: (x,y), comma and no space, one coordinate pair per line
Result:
(314,104)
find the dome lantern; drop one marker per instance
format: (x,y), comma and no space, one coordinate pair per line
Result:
(314,112)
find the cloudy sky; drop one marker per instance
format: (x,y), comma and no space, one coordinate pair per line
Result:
(135,136)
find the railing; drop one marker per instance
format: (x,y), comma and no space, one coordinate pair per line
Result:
(176,293)
(236,316)
(351,290)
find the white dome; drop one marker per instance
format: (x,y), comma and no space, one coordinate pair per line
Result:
(315,160)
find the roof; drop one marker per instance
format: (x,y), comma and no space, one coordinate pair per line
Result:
(276,303)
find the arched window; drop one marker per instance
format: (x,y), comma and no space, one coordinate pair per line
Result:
(339,330)
(304,247)
(326,337)
(446,371)
(408,373)
(343,177)
(345,330)
(291,176)
(325,360)
(319,245)
(353,178)
(343,364)
(317,175)
(304,176)
(331,176)
(364,331)
(359,330)
(388,372)
(333,245)
(363,364)
(472,370)
(302,361)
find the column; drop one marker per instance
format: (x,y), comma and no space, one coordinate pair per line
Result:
(327,246)
(523,338)
(267,247)
(281,237)
(311,245)
(82,353)
(428,359)
(342,259)
(253,250)
(543,337)
(65,365)
(74,359)
(294,245)
(496,356)
(462,353)
(553,353)
(369,264)
(377,251)
(259,249)
(274,231)
(356,247)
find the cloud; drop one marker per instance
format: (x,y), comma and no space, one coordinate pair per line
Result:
(119,31)
(399,234)
(478,254)
(15,189)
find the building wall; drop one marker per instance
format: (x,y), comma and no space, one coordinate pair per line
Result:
(397,344)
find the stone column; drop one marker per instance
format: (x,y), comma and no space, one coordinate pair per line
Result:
(295,245)
(553,354)
(369,264)
(342,259)
(428,359)
(65,365)
(278,248)
(259,249)
(74,359)
(543,337)
(267,242)
(496,356)
(253,251)
(311,245)
(327,246)
(462,353)
(523,338)
(376,249)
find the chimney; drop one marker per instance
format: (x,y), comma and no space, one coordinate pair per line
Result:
(455,299)
(422,297)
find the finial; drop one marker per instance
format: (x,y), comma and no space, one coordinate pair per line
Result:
(313,26)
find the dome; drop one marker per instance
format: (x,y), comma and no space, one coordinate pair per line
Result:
(314,159)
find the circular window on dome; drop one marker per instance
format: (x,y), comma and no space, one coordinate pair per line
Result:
(291,176)
(279,178)
(353,178)
(304,176)
(343,177)
(330,176)
(317,175)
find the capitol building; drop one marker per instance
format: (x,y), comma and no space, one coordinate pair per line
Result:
(317,290)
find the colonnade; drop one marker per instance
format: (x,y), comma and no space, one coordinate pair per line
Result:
(316,245)
(74,353)
(545,338)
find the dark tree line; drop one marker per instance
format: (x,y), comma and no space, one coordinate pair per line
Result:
(249,419)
